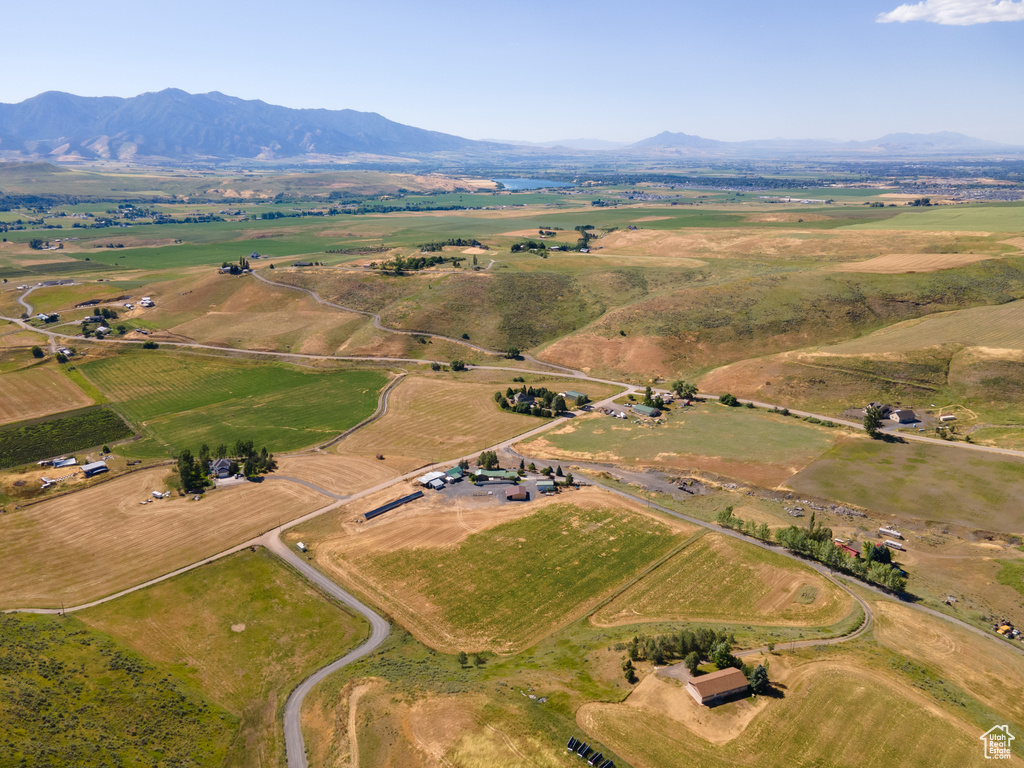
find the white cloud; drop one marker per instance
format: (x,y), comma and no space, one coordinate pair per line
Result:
(961,13)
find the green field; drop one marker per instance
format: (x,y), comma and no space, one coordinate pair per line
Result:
(718,578)
(1011,573)
(245,630)
(739,441)
(991,217)
(930,482)
(48,437)
(180,401)
(74,697)
(562,558)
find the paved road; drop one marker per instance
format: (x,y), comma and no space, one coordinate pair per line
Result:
(294,745)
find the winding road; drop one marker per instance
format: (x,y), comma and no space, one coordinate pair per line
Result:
(379,628)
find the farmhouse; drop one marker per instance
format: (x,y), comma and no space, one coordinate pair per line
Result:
(454,474)
(846,548)
(902,416)
(717,686)
(97,467)
(647,410)
(521,397)
(220,468)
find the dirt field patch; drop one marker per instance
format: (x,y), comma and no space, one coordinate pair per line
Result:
(899,263)
(795,217)
(720,579)
(102,539)
(39,391)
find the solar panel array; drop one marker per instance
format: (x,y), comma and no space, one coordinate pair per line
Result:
(582,749)
(391,505)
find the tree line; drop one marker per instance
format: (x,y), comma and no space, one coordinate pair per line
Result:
(816,543)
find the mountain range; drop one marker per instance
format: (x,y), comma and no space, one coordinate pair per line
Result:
(175,126)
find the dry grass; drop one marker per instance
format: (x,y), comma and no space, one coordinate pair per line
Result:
(720,579)
(900,263)
(811,725)
(338,474)
(38,391)
(995,327)
(431,419)
(89,544)
(987,669)
(245,630)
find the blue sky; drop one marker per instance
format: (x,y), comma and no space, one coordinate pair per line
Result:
(558,69)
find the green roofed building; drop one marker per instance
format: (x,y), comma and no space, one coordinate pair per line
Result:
(646,410)
(497,474)
(545,486)
(571,395)
(455,473)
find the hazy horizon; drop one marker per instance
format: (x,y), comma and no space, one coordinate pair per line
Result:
(848,71)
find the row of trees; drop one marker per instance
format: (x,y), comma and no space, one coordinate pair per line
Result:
(402,264)
(453,241)
(816,542)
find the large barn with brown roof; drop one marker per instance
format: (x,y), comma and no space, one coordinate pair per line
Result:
(717,686)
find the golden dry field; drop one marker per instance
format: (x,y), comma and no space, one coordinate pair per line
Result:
(38,391)
(432,419)
(720,579)
(88,544)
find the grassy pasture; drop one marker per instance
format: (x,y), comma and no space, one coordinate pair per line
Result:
(73,696)
(810,726)
(750,445)
(181,402)
(436,417)
(38,391)
(929,482)
(720,579)
(94,542)
(563,557)
(990,217)
(1000,326)
(245,630)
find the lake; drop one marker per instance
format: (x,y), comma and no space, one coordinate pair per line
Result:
(518,185)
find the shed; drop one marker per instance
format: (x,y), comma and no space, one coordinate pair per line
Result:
(903,416)
(517,493)
(646,410)
(437,484)
(573,395)
(95,468)
(717,686)
(545,486)
(58,463)
(430,477)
